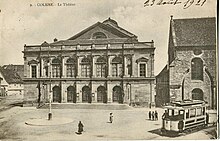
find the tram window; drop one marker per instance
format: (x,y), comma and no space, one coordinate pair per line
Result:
(192,113)
(198,111)
(203,112)
(181,112)
(187,114)
(170,112)
(176,112)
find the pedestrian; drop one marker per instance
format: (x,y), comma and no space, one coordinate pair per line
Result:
(149,115)
(111,118)
(152,115)
(156,115)
(80,127)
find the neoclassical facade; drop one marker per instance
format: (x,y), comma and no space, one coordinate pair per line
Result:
(102,64)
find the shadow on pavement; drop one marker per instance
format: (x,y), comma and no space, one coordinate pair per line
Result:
(167,134)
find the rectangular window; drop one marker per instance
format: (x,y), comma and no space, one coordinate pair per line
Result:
(98,70)
(56,70)
(114,70)
(143,70)
(192,113)
(70,71)
(85,71)
(198,111)
(33,71)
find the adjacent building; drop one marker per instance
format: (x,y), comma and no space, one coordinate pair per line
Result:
(104,63)
(191,69)
(12,83)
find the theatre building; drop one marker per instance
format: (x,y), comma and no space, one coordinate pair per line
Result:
(104,63)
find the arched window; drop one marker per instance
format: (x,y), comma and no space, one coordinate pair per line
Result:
(99,35)
(56,67)
(117,66)
(85,67)
(197,69)
(101,67)
(197,94)
(33,68)
(70,67)
(142,66)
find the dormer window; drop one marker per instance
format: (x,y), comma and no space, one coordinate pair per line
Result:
(99,35)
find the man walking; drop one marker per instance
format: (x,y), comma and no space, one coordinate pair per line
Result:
(111,118)
(156,115)
(149,115)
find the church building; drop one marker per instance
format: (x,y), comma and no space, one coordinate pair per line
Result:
(103,63)
(191,70)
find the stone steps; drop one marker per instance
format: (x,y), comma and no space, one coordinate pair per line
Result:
(100,106)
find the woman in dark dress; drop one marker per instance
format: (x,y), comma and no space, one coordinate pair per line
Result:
(80,127)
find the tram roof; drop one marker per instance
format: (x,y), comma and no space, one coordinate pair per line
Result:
(185,104)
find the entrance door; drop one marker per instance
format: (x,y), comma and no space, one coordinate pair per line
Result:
(56,94)
(86,94)
(197,94)
(117,94)
(71,94)
(101,94)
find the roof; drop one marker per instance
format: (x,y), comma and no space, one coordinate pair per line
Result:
(110,25)
(17,68)
(164,70)
(11,75)
(92,41)
(194,31)
(188,103)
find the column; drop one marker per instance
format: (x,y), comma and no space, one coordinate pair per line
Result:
(109,66)
(50,67)
(63,93)
(93,91)
(109,93)
(78,93)
(42,67)
(78,66)
(125,67)
(132,66)
(152,65)
(63,67)
(93,66)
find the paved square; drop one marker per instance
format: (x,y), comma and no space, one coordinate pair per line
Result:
(130,124)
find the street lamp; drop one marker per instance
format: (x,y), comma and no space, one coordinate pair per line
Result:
(50,96)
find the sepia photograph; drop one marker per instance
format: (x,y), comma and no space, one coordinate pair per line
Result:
(73,70)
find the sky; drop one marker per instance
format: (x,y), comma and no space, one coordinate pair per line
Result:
(26,22)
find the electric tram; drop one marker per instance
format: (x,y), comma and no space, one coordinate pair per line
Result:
(183,116)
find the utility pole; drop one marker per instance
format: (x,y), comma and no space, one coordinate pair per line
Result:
(50,95)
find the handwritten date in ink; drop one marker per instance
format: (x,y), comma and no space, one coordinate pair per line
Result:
(186,3)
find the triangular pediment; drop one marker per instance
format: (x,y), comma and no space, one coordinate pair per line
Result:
(103,31)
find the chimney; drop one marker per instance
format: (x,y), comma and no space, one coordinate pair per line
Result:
(55,40)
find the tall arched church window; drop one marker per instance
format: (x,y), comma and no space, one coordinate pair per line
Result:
(56,67)
(117,66)
(70,67)
(99,35)
(197,69)
(101,67)
(85,67)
